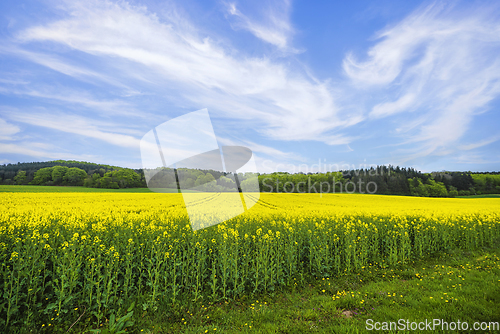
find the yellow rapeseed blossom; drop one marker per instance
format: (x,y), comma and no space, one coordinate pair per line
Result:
(102,248)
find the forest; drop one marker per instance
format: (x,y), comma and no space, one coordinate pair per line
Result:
(376,180)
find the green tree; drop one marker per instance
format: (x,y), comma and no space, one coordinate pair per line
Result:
(105,181)
(125,178)
(436,189)
(417,188)
(187,183)
(89,182)
(42,176)
(58,173)
(208,178)
(226,183)
(249,185)
(199,180)
(165,178)
(96,181)
(20,178)
(75,176)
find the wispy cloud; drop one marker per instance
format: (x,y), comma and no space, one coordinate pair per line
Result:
(259,148)
(481,143)
(7,130)
(274,27)
(276,97)
(420,85)
(72,98)
(404,103)
(475,159)
(60,65)
(33,149)
(76,125)
(437,69)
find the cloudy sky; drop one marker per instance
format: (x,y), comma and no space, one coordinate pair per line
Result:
(356,83)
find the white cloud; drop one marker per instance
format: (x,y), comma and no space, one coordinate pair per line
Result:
(426,76)
(32,149)
(474,159)
(404,103)
(264,149)
(55,63)
(436,69)
(7,130)
(13,81)
(274,28)
(77,125)
(71,98)
(279,101)
(481,143)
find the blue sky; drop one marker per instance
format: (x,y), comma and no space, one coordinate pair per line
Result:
(305,85)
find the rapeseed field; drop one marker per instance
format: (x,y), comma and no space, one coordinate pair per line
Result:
(100,252)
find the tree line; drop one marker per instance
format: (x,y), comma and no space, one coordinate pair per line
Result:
(71,173)
(201,180)
(388,180)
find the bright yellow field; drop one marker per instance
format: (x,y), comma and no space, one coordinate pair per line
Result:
(128,204)
(101,251)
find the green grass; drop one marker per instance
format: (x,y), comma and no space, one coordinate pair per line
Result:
(455,286)
(481,196)
(61,189)
(67,189)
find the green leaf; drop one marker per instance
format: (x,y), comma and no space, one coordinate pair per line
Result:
(112,321)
